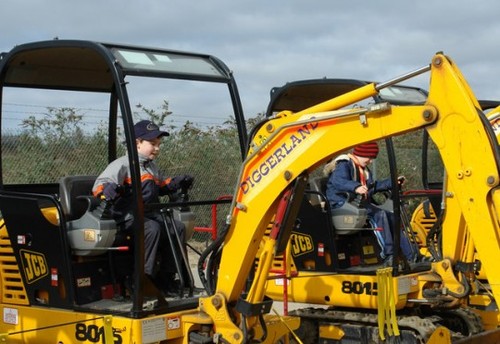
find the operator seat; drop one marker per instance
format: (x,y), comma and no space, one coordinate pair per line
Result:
(318,185)
(70,190)
(91,231)
(348,219)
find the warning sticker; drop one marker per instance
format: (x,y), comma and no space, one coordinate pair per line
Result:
(174,323)
(10,316)
(154,330)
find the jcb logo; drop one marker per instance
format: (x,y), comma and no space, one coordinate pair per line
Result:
(301,244)
(34,265)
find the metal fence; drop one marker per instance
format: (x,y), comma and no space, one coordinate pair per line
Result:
(212,158)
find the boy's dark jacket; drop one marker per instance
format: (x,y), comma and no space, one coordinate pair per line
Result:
(344,178)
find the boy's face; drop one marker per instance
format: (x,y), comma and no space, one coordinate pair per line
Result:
(149,148)
(364,161)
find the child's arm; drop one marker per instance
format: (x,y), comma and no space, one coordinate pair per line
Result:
(172,184)
(111,181)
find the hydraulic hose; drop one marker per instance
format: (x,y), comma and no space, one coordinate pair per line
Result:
(212,250)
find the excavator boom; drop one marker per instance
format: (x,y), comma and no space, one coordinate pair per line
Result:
(290,145)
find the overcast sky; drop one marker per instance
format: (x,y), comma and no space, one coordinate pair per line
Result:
(268,43)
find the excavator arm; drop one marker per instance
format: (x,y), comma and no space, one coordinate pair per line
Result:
(290,145)
(470,155)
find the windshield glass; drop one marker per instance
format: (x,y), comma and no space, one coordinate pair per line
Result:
(165,62)
(401,94)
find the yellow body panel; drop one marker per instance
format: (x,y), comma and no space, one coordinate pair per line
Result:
(358,291)
(45,325)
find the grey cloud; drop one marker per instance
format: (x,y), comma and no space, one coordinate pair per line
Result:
(268,43)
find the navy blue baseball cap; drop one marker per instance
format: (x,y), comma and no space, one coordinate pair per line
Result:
(147,130)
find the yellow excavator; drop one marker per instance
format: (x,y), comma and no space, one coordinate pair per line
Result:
(62,276)
(449,288)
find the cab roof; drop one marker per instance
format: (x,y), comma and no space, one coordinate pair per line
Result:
(299,95)
(86,65)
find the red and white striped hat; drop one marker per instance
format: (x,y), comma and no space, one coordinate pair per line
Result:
(366,150)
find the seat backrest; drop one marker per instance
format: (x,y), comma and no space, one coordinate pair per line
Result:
(70,187)
(318,184)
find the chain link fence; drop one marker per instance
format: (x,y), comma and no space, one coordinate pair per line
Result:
(43,155)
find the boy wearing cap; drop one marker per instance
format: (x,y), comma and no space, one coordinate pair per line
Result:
(114,185)
(350,174)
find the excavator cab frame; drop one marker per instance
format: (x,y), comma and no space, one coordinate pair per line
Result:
(299,95)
